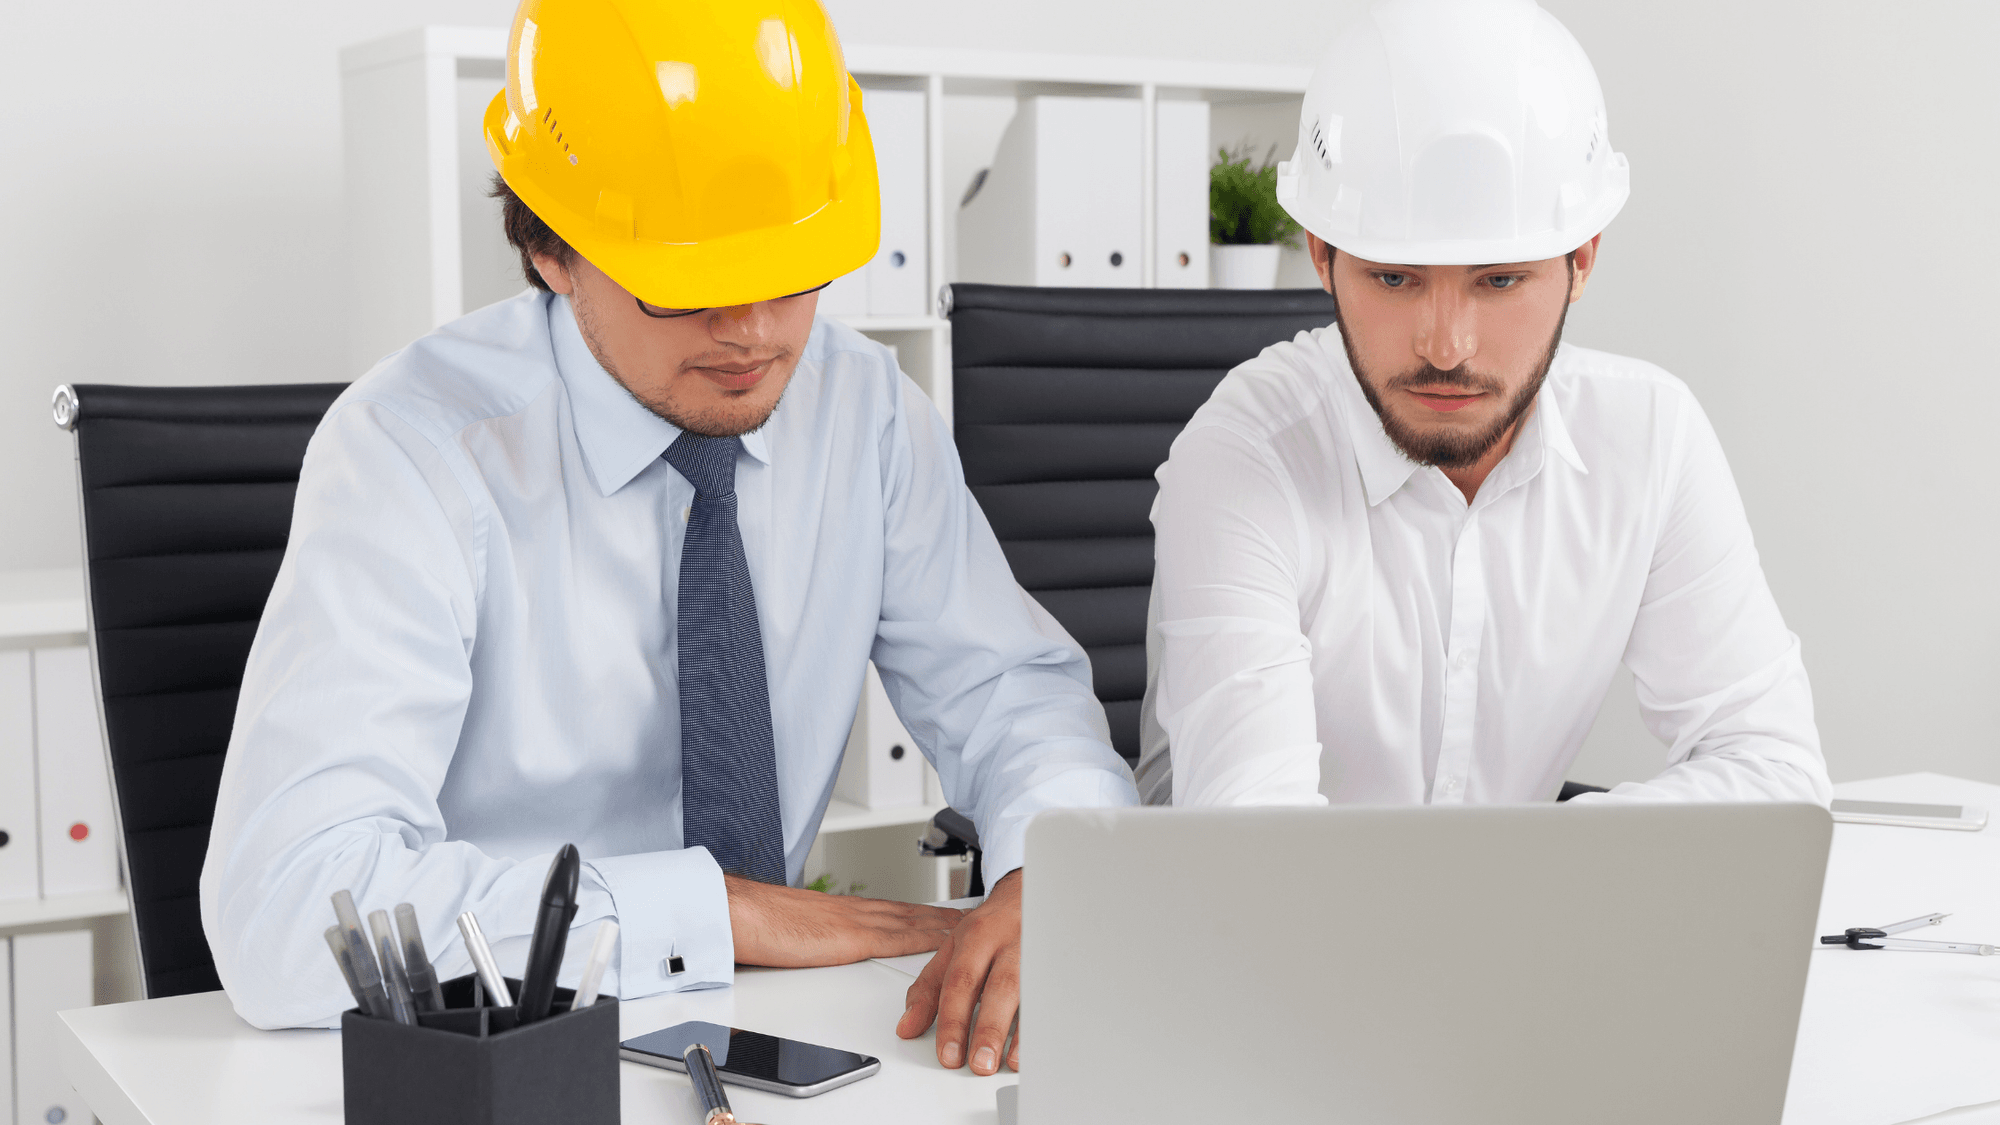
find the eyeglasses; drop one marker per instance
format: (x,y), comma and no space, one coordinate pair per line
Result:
(658,313)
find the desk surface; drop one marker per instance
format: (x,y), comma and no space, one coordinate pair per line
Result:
(1885,1037)
(187,1060)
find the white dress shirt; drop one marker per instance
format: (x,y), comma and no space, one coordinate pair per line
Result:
(468,658)
(1333,622)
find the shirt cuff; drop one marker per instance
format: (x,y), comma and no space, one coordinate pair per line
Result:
(668,905)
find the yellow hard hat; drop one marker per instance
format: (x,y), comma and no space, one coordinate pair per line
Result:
(703,153)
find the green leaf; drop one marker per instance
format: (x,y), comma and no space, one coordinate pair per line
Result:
(1243,206)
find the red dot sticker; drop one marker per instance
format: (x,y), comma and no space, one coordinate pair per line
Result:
(79,831)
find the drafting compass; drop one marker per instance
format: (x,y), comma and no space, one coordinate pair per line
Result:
(1878,937)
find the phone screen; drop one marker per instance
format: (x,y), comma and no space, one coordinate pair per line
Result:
(752,1054)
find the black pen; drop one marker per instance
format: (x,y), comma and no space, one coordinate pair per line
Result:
(545,949)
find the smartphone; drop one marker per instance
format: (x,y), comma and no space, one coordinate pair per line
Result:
(753,1059)
(1965,818)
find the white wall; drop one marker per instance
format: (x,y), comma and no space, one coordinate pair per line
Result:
(1810,244)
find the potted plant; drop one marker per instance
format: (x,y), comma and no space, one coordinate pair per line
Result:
(1246,226)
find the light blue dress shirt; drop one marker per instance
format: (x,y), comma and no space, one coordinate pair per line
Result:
(468,658)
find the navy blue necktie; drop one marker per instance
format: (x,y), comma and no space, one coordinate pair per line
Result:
(729,767)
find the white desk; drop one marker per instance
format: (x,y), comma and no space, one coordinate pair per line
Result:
(189,1061)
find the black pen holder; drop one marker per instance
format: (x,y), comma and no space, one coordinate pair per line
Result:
(472,1065)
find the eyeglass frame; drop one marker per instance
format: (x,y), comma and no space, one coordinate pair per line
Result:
(675,314)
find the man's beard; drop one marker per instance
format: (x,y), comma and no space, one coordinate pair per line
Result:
(705,423)
(1447,449)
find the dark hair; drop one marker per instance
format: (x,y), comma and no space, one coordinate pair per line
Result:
(527,233)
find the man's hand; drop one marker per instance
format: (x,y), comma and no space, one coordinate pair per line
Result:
(789,928)
(980,963)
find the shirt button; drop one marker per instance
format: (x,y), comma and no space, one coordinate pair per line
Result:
(1462,661)
(1451,785)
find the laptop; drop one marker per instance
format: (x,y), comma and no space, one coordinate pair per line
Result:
(1417,966)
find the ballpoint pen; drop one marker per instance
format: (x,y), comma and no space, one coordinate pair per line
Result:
(1877,937)
(395,982)
(367,972)
(424,987)
(545,949)
(593,969)
(483,962)
(708,1087)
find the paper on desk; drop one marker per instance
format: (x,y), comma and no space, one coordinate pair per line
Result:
(1894,1036)
(914,963)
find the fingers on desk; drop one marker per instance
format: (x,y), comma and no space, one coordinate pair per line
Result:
(978,968)
(998,1003)
(920,1002)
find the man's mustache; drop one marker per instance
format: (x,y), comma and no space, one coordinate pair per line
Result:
(1457,378)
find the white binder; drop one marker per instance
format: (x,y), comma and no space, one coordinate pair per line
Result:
(51,974)
(1062,203)
(897,284)
(882,767)
(20,852)
(79,840)
(6,1029)
(1182,157)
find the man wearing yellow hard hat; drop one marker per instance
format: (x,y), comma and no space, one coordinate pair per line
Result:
(604,563)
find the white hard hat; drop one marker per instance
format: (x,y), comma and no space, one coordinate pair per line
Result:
(1454,132)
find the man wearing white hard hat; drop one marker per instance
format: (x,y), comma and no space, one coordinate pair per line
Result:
(1401,557)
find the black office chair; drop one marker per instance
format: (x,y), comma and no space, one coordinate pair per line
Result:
(1065,401)
(187,502)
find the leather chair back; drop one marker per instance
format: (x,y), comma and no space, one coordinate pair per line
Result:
(1064,402)
(187,502)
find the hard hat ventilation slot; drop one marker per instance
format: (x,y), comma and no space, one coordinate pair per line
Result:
(1321,145)
(555,128)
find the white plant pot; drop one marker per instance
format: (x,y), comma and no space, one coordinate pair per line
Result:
(1243,267)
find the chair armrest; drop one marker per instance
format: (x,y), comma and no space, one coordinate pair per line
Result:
(950,832)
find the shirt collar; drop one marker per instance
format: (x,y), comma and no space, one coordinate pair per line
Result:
(1383,467)
(620,438)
